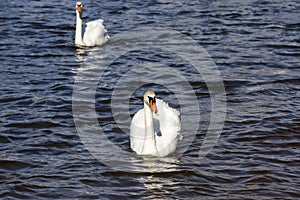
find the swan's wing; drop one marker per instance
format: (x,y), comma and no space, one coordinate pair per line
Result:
(95,33)
(167,116)
(167,126)
(137,128)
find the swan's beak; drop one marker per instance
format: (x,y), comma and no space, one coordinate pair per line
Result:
(79,9)
(153,106)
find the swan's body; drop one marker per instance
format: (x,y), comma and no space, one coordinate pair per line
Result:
(155,129)
(95,33)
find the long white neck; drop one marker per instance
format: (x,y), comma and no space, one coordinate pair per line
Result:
(78,34)
(149,142)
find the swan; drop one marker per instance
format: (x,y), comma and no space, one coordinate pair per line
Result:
(95,32)
(154,130)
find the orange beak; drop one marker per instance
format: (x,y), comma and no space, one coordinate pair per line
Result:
(153,106)
(79,8)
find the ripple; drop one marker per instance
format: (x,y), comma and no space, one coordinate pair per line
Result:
(14,165)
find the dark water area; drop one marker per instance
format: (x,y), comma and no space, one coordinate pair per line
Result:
(256,48)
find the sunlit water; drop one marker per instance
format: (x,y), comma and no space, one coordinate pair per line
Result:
(255,46)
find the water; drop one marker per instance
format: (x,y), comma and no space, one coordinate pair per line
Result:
(255,46)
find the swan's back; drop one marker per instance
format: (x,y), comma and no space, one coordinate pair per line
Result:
(166,126)
(95,33)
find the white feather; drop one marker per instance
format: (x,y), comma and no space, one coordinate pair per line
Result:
(166,131)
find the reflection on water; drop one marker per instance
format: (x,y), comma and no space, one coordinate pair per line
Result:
(154,183)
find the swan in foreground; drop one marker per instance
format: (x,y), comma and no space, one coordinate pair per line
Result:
(155,129)
(95,33)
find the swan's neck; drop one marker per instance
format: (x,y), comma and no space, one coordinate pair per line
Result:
(78,34)
(149,142)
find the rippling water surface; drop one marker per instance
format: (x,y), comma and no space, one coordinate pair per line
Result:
(254,44)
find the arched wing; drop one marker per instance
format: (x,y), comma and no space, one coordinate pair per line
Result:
(95,33)
(167,126)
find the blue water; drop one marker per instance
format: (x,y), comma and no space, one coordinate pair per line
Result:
(255,46)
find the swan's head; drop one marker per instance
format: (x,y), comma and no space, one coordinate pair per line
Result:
(150,100)
(79,8)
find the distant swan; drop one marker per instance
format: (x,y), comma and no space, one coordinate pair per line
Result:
(155,129)
(95,32)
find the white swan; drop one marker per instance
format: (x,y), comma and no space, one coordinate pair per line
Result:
(155,129)
(95,32)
